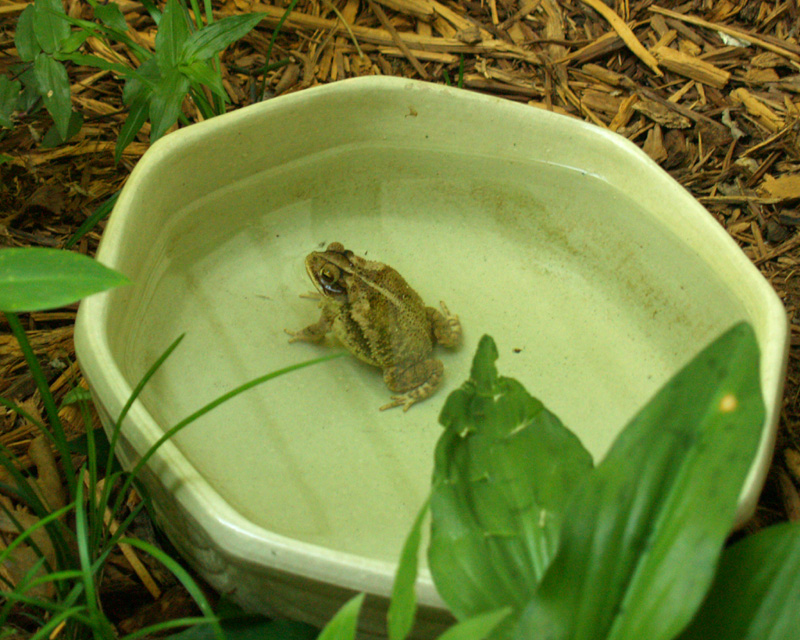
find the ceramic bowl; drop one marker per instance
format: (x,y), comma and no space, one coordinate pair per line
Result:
(595,272)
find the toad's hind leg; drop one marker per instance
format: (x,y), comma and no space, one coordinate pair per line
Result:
(414,382)
(445,325)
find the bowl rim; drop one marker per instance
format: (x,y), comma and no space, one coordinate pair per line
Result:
(235,535)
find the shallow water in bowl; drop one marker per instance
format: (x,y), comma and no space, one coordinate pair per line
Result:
(592,305)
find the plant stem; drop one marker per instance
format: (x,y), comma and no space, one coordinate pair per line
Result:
(47,398)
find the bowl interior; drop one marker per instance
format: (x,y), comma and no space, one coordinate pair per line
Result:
(593,302)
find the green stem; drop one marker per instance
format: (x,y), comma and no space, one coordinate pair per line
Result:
(275,32)
(47,398)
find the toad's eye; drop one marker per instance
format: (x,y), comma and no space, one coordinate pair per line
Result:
(328,274)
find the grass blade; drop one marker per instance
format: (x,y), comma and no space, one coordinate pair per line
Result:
(91,222)
(403,605)
(343,625)
(184,578)
(209,407)
(47,398)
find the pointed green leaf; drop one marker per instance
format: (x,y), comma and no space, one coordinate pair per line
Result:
(53,83)
(73,43)
(756,591)
(25,38)
(504,468)
(137,116)
(403,605)
(49,25)
(642,536)
(165,103)
(142,83)
(97,62)
(53,137)
(173,30)
(36,279)
(343,625)
(202,73)
(9,94)
(213,38)
(111,15)
(478,627)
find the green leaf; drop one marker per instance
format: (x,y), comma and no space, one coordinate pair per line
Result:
(25,38)
(53,82)
(30,100)
(137,116)
(75,396)
(73,43)
(142,83)
(35,279)
(642,536)
(9,94)
(403,605)
(96,62)
(50,25)
(53,137)
(477,627)
(504,468)
(213,38)
(202,73)
(343,625)
(252,628)
(756,591)
(92,221)
(165,103)
(173,30)
(111,15)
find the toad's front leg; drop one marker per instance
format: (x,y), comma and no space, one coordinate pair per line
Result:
(415,382)
(313,332)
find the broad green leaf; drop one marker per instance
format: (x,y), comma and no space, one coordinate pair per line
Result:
(213,38)
(49,24)
(30,100)
(478,627)
(202,73)
(756,592)
(24,37)
(111,15)
(173,30)
(140,85)
(343,625)
(9,94)
(165,103)
(53,137)
(53,82)
(36,279)
(642,536)
(73,42)
(504,468)
(137,116)
(403,605)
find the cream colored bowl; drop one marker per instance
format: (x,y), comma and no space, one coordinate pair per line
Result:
(596,273)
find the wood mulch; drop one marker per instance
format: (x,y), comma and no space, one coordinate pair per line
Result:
(708,88)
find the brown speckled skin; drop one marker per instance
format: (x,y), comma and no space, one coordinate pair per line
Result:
(380,319)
